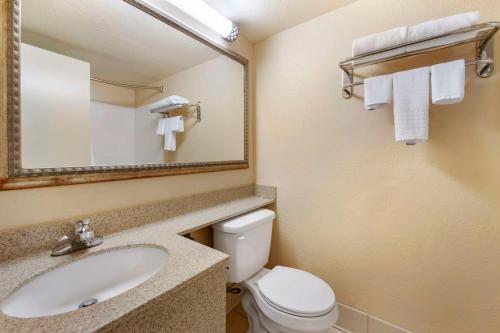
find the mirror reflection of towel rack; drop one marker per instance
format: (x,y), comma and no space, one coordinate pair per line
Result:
(124,85)
(177,107)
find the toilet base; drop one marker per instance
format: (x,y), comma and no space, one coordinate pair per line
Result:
(260,323)
(254,323)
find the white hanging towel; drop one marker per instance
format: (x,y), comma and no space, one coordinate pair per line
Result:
(169,101)
(448,82)
(378,91)
(169,127)
(411,105)
(160,130)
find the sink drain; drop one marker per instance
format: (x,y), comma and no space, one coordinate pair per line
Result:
(88,302)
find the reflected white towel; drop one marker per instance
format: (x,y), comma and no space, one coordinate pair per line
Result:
(448,82)
(378,91)
(173,126)
(169,127)
(379,41)
(411,105)
(168,102)
(160,130)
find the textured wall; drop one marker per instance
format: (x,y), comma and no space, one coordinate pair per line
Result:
(23,207)
(408,234)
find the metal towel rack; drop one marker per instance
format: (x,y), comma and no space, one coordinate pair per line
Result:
(168,109)
(481,34)
(125,85)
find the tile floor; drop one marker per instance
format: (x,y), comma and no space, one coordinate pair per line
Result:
(236,321)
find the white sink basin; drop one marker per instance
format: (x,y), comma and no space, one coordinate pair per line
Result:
(89,280)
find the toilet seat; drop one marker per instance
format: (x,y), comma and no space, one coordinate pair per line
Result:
(292,322)
(296,292)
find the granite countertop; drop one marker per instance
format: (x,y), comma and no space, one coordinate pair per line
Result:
(186,260)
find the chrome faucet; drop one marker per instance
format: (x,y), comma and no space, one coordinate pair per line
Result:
(83,239)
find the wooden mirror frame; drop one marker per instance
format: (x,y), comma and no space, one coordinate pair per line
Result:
(13,176)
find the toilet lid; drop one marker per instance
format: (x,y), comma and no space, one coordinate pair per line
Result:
(296,292)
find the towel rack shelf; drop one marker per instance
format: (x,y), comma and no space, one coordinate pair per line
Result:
(480,34)
(168,109)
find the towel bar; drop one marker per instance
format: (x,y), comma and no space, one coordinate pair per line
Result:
(467,63)
(125,85)
(485,60)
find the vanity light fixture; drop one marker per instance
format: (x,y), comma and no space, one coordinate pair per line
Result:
(202,12)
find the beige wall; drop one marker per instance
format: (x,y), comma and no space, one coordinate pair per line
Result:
(24,207)
(408,234)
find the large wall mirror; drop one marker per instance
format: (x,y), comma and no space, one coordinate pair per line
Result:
(104,90)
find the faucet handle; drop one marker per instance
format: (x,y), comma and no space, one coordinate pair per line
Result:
(84,222)
(82,226)
(83,231)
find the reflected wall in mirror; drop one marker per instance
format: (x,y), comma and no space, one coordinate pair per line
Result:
(105,84)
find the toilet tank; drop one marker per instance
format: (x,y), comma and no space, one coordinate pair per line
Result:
(247,240)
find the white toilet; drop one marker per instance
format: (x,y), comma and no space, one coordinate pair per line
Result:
(279,300)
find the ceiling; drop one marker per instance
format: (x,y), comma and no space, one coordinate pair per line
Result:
(259,19)
(126,45)
(121,43)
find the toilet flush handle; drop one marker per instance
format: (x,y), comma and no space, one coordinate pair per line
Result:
(242,237)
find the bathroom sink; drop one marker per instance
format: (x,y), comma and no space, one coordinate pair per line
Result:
(84,282)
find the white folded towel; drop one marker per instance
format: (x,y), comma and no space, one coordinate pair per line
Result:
(411,105)
(379,41)
(169,127)
(441,26)
(448,82)
(378,91)
(169,101)
(414,33)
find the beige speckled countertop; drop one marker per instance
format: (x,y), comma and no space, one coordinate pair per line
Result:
(187,259)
